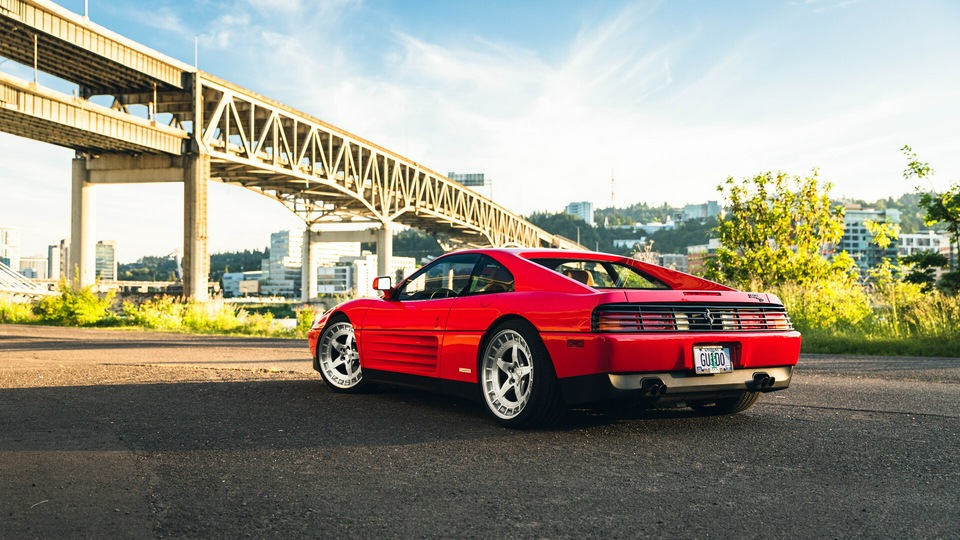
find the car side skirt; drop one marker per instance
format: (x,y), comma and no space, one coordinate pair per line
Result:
(463,390)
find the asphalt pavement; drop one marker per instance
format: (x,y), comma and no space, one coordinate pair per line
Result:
(124,434)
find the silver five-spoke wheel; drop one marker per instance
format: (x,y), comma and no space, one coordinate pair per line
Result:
(338,357)
(517,380)
(507,374)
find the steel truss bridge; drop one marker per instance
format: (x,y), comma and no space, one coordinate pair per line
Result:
(170,122)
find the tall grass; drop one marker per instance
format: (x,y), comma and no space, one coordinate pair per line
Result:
(888,317)
(81,306)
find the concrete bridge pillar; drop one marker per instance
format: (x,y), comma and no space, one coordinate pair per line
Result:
(83,243)
(308,276)
(385,249)
(196,258)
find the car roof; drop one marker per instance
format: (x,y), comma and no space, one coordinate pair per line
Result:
(673,278)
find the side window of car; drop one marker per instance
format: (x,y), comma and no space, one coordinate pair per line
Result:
(491,277)
(444,278)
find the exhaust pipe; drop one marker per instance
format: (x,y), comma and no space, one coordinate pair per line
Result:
(763,381)
(653,387)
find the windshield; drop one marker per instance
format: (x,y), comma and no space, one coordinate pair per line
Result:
(602,274)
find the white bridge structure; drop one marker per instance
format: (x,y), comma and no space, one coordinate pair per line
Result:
(170,122)
(15,284)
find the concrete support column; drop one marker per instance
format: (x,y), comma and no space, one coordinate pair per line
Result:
(196,258)
(384,249)
(83,243)
(308,277)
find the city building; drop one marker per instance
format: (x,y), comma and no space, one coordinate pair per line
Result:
(10,247)
(654,226)
(582,209)
(33,267)
(240,284)
(353,275)
(697,256)
(675,261)
(281,272)
(858,241)
(106,260)
(937,242)
(628,243)
(58,260)
(700,212)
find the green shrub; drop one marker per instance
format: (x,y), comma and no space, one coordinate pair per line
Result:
(13,312)
(821,306)
(76,306)
(305,316)
(160,313)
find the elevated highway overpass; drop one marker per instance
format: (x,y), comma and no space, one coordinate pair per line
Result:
(170,122)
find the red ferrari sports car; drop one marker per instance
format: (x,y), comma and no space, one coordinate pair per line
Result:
(531,331)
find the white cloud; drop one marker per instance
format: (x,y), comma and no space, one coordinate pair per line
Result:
(669,115)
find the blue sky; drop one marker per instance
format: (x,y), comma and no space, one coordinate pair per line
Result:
(549,98)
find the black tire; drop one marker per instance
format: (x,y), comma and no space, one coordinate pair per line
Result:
(517,382)
(338,358)
(731,405)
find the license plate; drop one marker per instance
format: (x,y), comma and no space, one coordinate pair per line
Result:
(708,360)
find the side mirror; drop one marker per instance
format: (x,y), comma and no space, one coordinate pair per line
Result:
(385,285)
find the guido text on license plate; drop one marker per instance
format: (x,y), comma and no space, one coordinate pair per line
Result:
(711,360)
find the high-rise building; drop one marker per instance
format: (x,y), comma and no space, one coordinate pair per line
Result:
(281,272)
(583,210)
(858,241)
(10,247)
(58,260)
(106,260)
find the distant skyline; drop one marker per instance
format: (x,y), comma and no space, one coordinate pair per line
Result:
(550,99)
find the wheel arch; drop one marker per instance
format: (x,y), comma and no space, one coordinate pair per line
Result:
(332,317)
(488,335)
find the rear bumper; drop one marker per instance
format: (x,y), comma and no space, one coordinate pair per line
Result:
(673,386)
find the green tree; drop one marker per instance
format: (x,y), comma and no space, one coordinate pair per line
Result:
(777,231)
(921,267)
(940,207)
(415,243)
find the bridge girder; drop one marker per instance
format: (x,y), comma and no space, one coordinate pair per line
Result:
(321,172)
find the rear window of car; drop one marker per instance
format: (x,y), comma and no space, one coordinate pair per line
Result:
(602,274)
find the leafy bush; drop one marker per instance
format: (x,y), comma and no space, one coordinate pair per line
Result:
(76,306)
(168,313)
(305,317)
(13,312)
(822,306)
